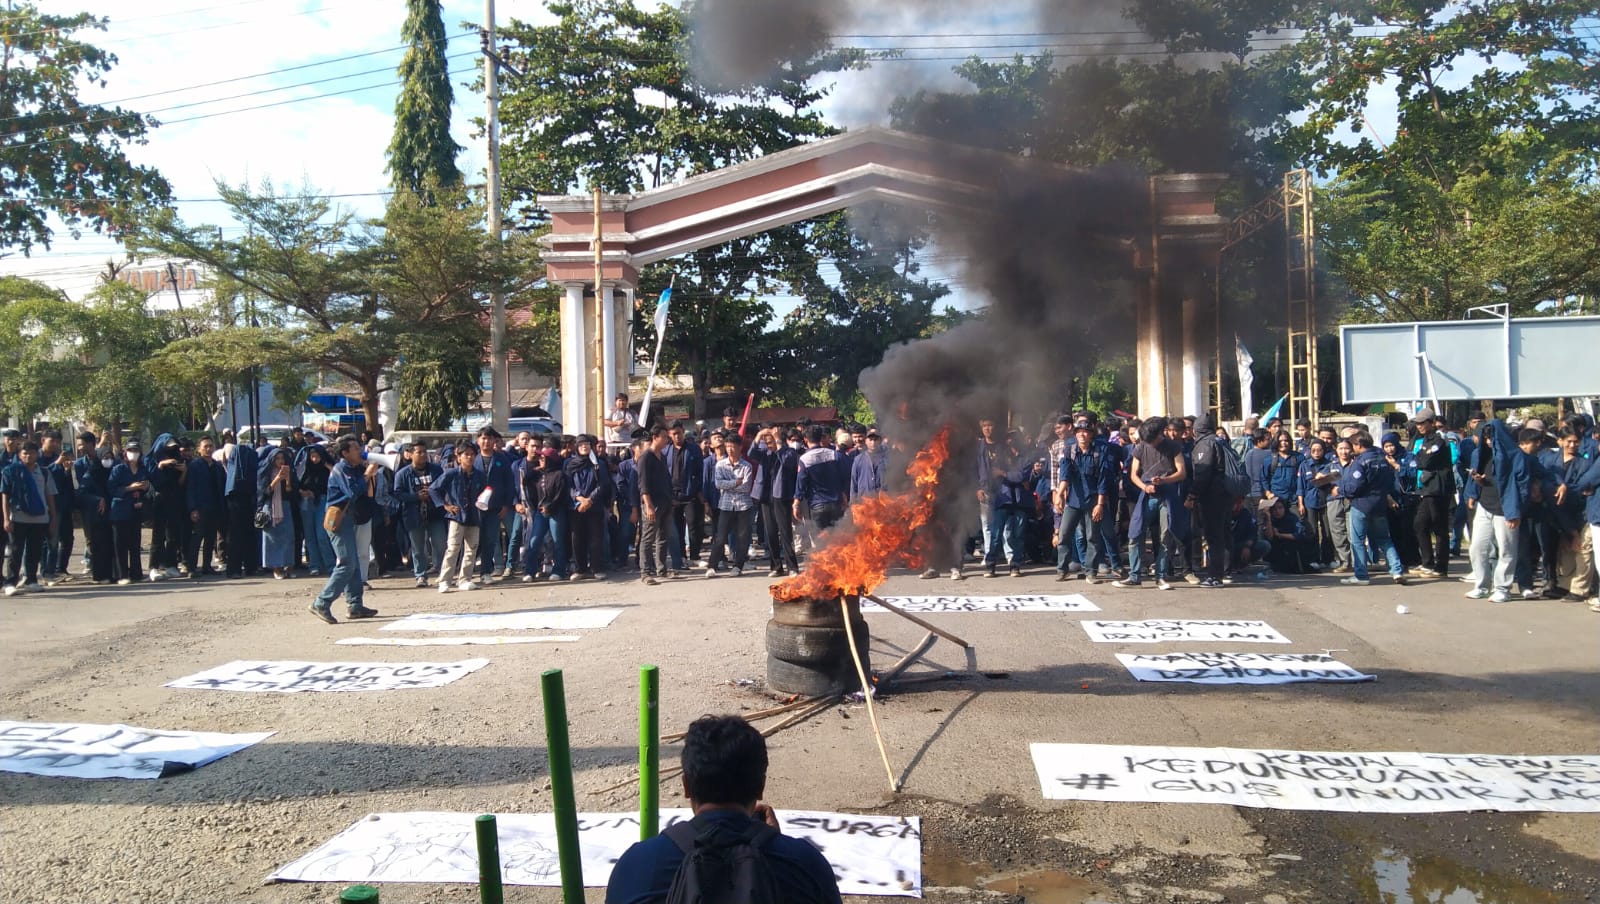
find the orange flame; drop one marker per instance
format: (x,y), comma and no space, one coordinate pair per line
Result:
(883,531)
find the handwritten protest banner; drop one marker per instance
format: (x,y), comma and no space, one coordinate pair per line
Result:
(1157,630)
(1074,602)
(1319,780)
(454,640)
(1239,668)
(79,750)
(524,620)
(870,855)
(300,677)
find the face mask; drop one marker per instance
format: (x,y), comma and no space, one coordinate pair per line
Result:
(107,461)
(131,456)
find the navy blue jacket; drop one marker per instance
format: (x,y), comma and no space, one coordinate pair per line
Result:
(17,483)
(627,485)
(867,473)
(240,474)
(823,477)
(1089,475)
(1255,464)
(201,486)
(1510,465)
(94,484)
(777,471)
(496,473)
(1586,479)
(1369,482)
(406,484)
(708,479)
(1281,476)
(66,496)
(131,505)
(459,487)
(587,479)
(686,484)
(1313,496)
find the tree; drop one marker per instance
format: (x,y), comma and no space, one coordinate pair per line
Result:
(1486,193)
(59,156)
(422,155)
(579,117)
(341,299)
(89,361)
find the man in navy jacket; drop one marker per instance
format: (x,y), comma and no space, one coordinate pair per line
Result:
(1369,484)
(202,489)
(420,516)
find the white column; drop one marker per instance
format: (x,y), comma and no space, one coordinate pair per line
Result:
(1195,364)
(574,361)
(607,299)
(1150,353)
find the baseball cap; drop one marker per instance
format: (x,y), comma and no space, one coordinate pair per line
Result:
(1426,414)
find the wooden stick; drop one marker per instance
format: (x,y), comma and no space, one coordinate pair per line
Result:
(866,691)
(917,621)
(824,703)
(818,704)
(758,714)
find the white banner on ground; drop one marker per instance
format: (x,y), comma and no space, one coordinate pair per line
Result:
(870,855)
(1319,780)
(1074,602)
(524,620)
(453,640)
(1239,668)
(1157,630)
(78,750)
(297,677)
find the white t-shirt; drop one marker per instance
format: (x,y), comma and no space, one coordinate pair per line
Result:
(624,433)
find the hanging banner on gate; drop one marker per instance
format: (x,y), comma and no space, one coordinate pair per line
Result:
(1320,780)
(1157,630)
(1239,668)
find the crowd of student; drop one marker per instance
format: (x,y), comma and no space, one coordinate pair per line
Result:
(1128,502)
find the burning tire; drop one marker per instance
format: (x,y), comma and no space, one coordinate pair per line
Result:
(809,613)
(808,650)
(814,646)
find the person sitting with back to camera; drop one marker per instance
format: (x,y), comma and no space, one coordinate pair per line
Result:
(724,774)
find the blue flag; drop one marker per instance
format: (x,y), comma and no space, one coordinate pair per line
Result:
(661,311)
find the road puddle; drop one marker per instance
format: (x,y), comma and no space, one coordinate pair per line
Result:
(1036,886)
(1395,878)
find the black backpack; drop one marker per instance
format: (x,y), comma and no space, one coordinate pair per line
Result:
(722,865)
(1233,479)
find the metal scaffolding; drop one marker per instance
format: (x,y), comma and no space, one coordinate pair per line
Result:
(1300,259)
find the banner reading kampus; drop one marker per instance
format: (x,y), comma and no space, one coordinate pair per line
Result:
(1320,780)
(300,677)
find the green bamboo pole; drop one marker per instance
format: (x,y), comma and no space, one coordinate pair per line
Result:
(562,800)
(649,752)
(490,890)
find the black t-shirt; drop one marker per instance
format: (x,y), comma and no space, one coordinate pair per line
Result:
(654,480)
(1157,459)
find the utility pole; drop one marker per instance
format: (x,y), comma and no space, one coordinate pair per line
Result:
(499,368)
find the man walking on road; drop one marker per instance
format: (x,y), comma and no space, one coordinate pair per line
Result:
(346,483)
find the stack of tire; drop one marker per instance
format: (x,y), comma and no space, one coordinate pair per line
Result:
(808,651)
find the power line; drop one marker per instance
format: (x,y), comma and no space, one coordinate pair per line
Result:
(181,12)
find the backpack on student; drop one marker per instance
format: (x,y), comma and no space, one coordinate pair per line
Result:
(721,866)
(1234,479)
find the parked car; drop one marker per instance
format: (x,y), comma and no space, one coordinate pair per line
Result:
(538,426)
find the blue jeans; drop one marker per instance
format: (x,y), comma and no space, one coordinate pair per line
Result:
(427,545)
(1156,519)
(542,527)
(1076,523)
(1005,525)
(319,551)
(1376,528)
(346,576)
(515,541)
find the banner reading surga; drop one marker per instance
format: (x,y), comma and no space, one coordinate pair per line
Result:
(870,855)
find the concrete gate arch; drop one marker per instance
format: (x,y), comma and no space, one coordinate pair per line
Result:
(821,177)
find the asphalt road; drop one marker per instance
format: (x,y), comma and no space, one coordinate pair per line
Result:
(1454,676)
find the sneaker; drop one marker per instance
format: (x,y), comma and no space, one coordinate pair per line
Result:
(530,579)
(505,572)
(444,587)
(1227,579)
(121,582)
(1423,571)
(1359,582)
(490,578)
(1093,578)
(647,579)
(1499,596)
(1127,582)
(1061,576)
(1477,593)
(711,572)
(1210,584)
(738,572)
(1556,593)
(1572,598)
(467,585)
(157,575)
(422,582)
(1341,569)
(1400,580)
(599,575)
(1594,605)
(362,612)
(1192,578)
(956,575)
(322,613)
(1163,585)
(315,572)
(1016,572)
(12,590)
(1530,594)
(928,574)
(673,573)
(64,577)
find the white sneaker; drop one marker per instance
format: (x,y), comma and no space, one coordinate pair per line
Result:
(1499,596)
(738,572)
(467,585)
(12,590)
(1163,585)
(444,587)
(955,574)
(1530,594)
(1477,593)
(123,582)
(711,572)
(599,575)
(157,575)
